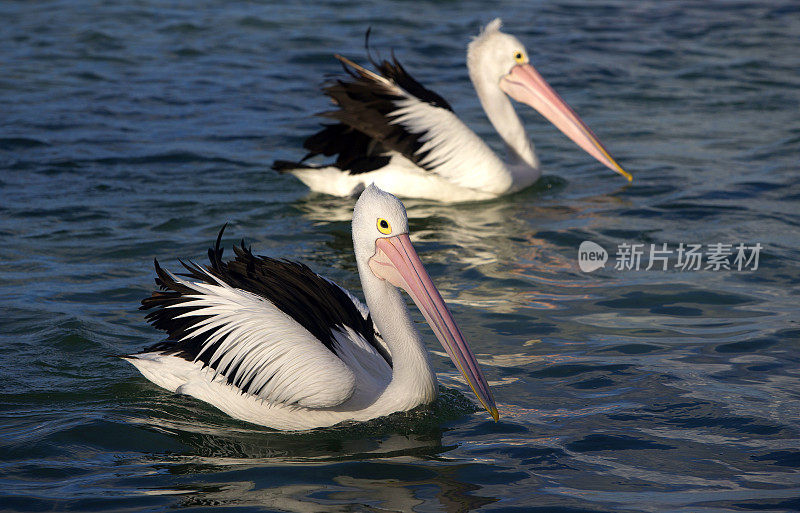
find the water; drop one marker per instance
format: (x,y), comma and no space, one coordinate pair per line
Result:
(133,130)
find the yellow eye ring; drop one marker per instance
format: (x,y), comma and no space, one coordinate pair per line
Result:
(383,226)
(519,57)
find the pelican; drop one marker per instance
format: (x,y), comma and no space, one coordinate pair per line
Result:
(406,139)
(271,342)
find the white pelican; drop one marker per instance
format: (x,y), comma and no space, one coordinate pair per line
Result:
(395,133)
(271,342)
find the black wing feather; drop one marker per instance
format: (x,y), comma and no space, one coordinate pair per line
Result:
(364,133)
(315,303)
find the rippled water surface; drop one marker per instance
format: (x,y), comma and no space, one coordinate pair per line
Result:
(133,130)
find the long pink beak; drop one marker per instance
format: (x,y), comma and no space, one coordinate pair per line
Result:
(396,262)
(526,85)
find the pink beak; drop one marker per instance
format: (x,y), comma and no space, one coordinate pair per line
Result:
(526,85)
(396,262)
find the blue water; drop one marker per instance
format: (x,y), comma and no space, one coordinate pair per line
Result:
(134,130)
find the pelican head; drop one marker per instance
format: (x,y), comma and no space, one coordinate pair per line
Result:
(495,57)
(383,249)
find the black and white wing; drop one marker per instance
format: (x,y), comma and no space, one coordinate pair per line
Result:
(385,113)
(368,107)
(273,328)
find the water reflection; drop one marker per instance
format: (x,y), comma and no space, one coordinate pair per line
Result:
(401,487)
(205,431)
(394,464)
(495,245)
(477,233)
(474,229)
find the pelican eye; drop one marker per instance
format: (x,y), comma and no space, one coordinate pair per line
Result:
(519,57)
(384,227)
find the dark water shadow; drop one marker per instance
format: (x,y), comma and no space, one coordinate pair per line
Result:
(392,463)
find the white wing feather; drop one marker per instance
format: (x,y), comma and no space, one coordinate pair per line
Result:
(453,150)
(285,362)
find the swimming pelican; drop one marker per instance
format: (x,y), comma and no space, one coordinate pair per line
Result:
(271,342)
(395,133)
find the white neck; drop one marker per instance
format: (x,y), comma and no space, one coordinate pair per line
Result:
(521,158)
(413,381)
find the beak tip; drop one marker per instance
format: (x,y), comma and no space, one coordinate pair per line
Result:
(624,173)
(495,414)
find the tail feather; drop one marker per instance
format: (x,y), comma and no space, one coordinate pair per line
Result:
(286,166)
